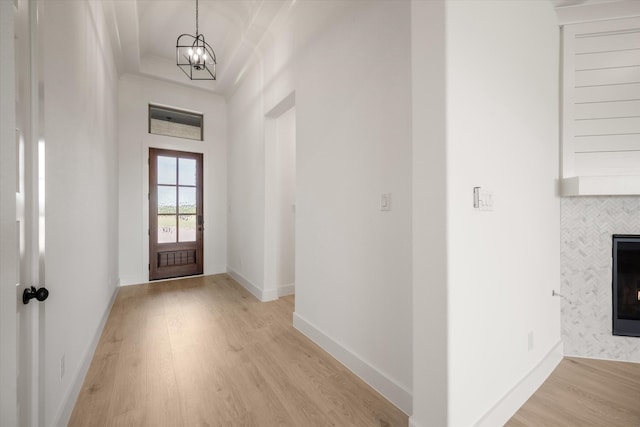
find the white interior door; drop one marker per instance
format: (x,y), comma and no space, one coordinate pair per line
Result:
(29,215)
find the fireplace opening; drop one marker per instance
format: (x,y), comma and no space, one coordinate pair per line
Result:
(626,285)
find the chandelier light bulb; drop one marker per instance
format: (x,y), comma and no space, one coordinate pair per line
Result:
(195,57)
(199,51)
(204,56)
(190,51)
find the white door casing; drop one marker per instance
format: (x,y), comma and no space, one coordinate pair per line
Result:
(29,152)
(8,232)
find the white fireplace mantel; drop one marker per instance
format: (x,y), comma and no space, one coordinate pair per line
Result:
(615,185)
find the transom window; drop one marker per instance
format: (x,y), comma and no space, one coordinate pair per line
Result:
(177,123)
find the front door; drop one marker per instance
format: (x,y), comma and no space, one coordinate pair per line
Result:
(175,214)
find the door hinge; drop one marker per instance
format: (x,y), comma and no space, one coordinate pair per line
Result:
(149,265)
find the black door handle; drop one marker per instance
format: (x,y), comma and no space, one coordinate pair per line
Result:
(29,293)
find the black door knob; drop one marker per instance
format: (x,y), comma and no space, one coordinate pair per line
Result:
(29,293)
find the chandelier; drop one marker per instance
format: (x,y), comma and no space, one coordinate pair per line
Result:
(194,56)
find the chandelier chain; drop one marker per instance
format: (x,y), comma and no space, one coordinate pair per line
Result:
(197,18)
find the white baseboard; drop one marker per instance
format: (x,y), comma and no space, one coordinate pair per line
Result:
(218,269)
(394,392)
(285,290)
(269,295)
(142,279)
(128,281)
(144,282)
(69,400)
(262,295)
(607,359)
(414,423)
(518,395)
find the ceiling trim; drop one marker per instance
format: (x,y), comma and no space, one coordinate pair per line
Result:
(598,11)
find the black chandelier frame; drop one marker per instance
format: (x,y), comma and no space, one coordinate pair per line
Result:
(195,57)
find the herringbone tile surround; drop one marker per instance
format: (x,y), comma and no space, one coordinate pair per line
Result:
(587,224)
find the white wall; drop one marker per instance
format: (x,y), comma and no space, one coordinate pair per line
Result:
(502,134)
(429,226)
(246,177)
(136,93)
(80,131)
(349,64)
(353,261)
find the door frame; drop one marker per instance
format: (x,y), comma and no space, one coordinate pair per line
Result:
(31,319)
(9,240)
(21,375)
(164,143)
(152,200)
(272,288)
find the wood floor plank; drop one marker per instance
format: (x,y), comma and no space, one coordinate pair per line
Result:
(96,391)
(163,400)
(204,352)
(585,392)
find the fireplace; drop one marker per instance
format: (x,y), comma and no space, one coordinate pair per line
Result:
(626,285)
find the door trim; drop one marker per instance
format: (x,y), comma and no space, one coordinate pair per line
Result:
(9,241)
(178,248)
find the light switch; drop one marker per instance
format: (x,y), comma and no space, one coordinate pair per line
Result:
(385,202)
(486,200)
(482,199)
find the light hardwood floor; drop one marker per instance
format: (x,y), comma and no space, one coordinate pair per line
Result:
(204,352)
(585,392)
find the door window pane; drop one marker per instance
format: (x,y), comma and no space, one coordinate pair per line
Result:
(187,224)
(166,200)
(167,170)
(187,200)
(187,171)
(166,228)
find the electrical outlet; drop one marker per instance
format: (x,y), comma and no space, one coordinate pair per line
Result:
(62,367)
(530,341)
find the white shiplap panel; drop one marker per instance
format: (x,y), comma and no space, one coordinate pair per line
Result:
(617,126)
(608,163)
(603,42)
(594,61)
(605,26)
(605,93)
(608,76)
(598,110)
(569,93)
(589,144)
(601,98)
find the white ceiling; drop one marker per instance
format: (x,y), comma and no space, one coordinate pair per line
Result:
(144,34)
